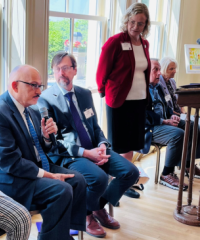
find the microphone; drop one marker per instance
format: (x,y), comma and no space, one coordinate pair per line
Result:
(45,115)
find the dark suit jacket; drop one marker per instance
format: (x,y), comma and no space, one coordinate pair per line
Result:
(116,69)
(53,99)
(18,162)
(153,119)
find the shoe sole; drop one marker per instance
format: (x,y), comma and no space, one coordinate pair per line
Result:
(197,176)
(98,236)
(170,186)
(107,226)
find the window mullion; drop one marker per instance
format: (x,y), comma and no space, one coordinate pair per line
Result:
(72,34)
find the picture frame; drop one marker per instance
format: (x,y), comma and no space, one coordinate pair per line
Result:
(192,58)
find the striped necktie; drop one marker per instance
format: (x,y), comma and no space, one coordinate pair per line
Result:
(82,133)
(45,162)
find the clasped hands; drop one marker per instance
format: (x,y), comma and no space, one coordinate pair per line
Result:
(97,155)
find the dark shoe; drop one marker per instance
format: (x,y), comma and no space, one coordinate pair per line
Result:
(93,227)
(196,172)
(172,181)
(132,193)
(105,219)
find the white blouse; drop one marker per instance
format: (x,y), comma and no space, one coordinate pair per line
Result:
(138,88)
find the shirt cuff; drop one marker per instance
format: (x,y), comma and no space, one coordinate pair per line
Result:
(47,144)
(40,173)
(102,143)
(161,121)
(80,151)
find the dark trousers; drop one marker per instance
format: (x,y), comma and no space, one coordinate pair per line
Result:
(63,204)
(125,173)
(173,138)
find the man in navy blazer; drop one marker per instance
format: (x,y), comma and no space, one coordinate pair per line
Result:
(73,110)
(60,193)
(165,128)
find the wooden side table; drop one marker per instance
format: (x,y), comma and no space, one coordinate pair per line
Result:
(188,214)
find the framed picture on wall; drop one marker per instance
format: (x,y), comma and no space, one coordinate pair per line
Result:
(192,58)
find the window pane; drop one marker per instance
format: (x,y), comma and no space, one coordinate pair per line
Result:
(59,40)
(87,7)
(86,49)
(154,41)
(57,5)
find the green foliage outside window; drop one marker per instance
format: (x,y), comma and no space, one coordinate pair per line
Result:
(59,32)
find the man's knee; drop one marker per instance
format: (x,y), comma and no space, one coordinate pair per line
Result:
(99,181)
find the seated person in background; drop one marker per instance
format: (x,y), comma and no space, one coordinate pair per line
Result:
(15,219)
(73,110)
(168,71)
(165,128)
(25,172)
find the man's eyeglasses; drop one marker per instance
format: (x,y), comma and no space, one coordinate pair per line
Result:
(34,86)
(64,69)
(139,24)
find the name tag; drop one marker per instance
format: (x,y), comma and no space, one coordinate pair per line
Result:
(88,113)
(126,46)
(167,98)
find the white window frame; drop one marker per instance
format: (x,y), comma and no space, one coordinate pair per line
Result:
(73,16)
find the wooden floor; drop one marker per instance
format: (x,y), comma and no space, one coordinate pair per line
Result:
(151,216)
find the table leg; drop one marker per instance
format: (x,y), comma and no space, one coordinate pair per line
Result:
(183,162)
(193,155)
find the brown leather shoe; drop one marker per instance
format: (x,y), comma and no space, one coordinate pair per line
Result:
(94,228)
(172,181)
(105,219)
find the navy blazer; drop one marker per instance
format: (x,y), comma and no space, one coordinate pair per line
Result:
(53,99)
(153,119)
(18,162)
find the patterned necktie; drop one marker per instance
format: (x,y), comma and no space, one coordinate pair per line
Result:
(83,135)
(45,162)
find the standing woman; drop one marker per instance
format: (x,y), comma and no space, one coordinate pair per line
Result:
(123,78)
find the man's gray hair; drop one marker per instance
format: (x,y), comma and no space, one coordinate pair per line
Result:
(164,63)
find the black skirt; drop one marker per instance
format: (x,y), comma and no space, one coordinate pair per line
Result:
(126,126)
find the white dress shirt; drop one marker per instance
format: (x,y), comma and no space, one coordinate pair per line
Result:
(21,110)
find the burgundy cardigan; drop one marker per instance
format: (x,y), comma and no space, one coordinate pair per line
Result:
(116,69)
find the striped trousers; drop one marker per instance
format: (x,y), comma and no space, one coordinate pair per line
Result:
(15,219)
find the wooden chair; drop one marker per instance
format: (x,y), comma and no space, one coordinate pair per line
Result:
(158,148)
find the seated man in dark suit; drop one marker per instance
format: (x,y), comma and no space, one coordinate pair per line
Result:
(165,128)
(73,110)
(26,173)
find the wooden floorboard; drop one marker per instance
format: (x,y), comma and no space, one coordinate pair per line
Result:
(151,216)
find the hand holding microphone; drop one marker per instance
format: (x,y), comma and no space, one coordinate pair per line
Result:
(49,127)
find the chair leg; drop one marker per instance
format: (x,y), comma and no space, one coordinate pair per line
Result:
(80,235)
(111,212)
(157,164)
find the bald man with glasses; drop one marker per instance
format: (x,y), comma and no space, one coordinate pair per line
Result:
(27,174)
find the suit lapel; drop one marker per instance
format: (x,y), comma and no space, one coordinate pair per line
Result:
(82,108)
(130,53)
(63,105)
(21,123)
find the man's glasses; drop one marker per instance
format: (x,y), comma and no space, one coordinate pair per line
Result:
(64,69)
(34,86)
(139,24)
